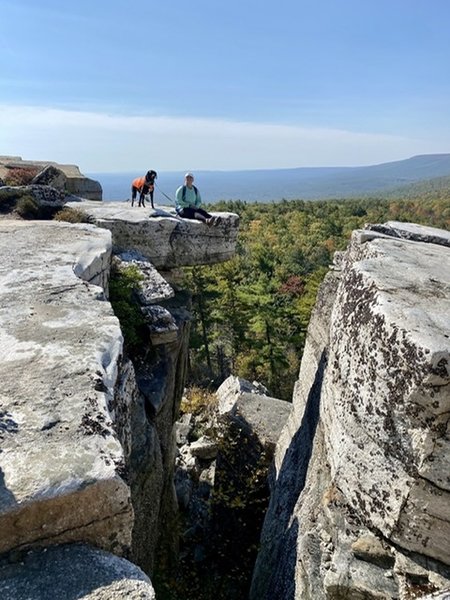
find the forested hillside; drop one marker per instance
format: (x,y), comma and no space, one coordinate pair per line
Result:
(433,189)
(251,313)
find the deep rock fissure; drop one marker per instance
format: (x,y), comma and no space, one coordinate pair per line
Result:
(349,472)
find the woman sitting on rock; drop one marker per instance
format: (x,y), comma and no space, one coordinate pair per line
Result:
(188,201)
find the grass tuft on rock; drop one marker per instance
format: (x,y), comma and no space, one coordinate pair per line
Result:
(72,215)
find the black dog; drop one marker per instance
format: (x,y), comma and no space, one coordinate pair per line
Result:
(143,186)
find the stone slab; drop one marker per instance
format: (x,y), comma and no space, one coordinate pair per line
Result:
(70,572)
(229,391)
(60,343)
(265,416)
(414,232)
(250,403)
(153,288)
(162,237)
(386,395)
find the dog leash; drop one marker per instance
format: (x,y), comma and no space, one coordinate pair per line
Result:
(164,193)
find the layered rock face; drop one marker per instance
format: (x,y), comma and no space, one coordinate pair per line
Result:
(62,466)
(360,498)
(61,460)
(165,239)
(86,437)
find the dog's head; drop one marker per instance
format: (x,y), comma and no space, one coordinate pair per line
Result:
(151,176)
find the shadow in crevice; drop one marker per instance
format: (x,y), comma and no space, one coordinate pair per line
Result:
(275,571)
(7,498)
(7,426)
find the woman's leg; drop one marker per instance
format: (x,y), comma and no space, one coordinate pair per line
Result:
(201,214)
(187,212)
(196,213)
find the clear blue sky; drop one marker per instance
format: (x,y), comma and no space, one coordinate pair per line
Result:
(125,85)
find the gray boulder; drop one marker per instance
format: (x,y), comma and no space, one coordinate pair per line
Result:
(204,448)
(229,391)
(248,404)
(263,416)
(163,238)
(73,572)
(66,178)
(43,196)
(51,176)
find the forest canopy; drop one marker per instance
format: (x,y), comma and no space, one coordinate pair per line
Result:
(251,313)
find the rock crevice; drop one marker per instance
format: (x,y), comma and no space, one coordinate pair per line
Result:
(86,437)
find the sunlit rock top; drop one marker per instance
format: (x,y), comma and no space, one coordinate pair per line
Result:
(161,236)
(61,463)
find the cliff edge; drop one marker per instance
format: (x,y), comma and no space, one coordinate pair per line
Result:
(361,488)
(86,437)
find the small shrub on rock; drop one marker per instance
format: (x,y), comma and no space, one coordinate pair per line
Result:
(21,176)
(8,199)
(122,287)
(197,400)
(72,215)
(27,207)
(202,404)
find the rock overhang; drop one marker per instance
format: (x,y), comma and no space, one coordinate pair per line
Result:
(160,235)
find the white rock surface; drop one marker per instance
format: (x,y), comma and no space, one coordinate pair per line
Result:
(445,595)
(161,236)
(251,405)
(386,401)
(60,343)
(365,453)
(232,388)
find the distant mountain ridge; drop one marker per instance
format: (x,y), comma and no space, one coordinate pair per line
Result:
(309,183)
(376,178)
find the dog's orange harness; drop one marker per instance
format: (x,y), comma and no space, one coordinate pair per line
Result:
(139,183)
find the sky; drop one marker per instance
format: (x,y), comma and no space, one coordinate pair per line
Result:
(119,86)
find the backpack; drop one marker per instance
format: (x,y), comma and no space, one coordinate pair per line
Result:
(183,197)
